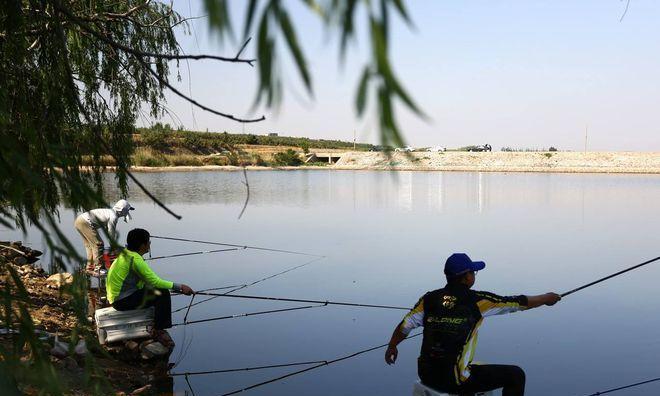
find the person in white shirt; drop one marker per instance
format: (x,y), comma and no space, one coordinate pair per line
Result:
(87,224)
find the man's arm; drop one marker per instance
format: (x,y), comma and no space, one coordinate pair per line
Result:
(392,352)
(492,304)
(413,319)
(542,299)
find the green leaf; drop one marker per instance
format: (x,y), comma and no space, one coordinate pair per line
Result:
(294,47)
(347,26)
(361,99)
(249,17)
(402,11)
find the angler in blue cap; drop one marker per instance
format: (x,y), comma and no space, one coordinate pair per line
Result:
(451,317)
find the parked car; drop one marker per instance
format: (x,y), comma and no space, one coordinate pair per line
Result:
(436,149)
(406,149)
(484,147)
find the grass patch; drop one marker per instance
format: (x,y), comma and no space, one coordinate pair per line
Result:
(185,160)
(146,157)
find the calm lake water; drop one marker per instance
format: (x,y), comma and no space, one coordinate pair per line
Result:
(386,237)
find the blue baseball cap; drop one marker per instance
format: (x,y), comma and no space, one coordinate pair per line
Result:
(460,263)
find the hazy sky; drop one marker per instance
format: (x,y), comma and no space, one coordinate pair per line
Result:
(509,73)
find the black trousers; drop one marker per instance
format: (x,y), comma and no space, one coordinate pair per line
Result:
(143,298)
(483,377)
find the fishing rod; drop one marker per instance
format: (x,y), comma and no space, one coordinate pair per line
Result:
(241,287)
(232,370)
(609,277)
(345,304)
(321,364)
(193,253)
(624,387)
(237,246)
(243,315)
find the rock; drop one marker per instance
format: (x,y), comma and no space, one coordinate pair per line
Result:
(16,244)
(81,348)
(142,390)
(56,281)
(132,345)
(60,349)
(71,365)
(154,350)
(20,260)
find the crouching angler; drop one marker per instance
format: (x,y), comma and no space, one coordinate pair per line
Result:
(451,317)
(89,223)
(132,284)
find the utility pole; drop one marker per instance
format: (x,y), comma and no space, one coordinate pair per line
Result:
(586,134)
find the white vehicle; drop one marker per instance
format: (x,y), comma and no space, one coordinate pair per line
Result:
(436,149)
(406,149)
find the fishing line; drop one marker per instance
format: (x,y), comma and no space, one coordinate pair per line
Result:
(624,387)
(193,253)
(609,277)
(186,322)
(237,246)
(321,364)
(346,304)
(240,287)
(232,370)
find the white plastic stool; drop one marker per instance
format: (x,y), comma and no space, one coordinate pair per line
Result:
(113,325)
(420,389)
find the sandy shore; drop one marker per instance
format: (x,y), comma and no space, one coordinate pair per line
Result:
(560,162)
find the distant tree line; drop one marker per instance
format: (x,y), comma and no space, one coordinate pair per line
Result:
(163,137)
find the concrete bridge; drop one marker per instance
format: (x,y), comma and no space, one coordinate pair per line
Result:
(328,157)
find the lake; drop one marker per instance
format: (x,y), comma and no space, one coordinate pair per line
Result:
(386,237)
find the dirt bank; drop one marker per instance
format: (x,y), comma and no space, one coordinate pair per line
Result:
(571,162)
(560,162)
(50,307)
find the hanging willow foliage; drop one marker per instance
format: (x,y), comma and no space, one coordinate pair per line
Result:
(74,77)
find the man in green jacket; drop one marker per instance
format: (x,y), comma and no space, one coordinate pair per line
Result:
(132,284)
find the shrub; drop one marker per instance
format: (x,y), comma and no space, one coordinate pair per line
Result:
(304,145)
(258,160)
(219,160)
(287,158)
(157,137)
(185,160)
(548,155)
(193,141)
(552,149)
(144,157)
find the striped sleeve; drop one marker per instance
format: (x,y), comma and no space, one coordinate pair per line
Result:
(414,318)
(491,304)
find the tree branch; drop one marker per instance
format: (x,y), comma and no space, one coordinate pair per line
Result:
(80,22)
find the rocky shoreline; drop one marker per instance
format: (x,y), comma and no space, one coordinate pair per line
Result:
(136,367)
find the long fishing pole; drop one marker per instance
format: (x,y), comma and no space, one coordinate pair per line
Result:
(243,315)
(233,370)
(193,253)
(624,387)
(321,364)
(609,277)
(241,287)
(237,246)
(345,304)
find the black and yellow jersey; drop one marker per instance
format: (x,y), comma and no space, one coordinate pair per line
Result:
(451,317)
